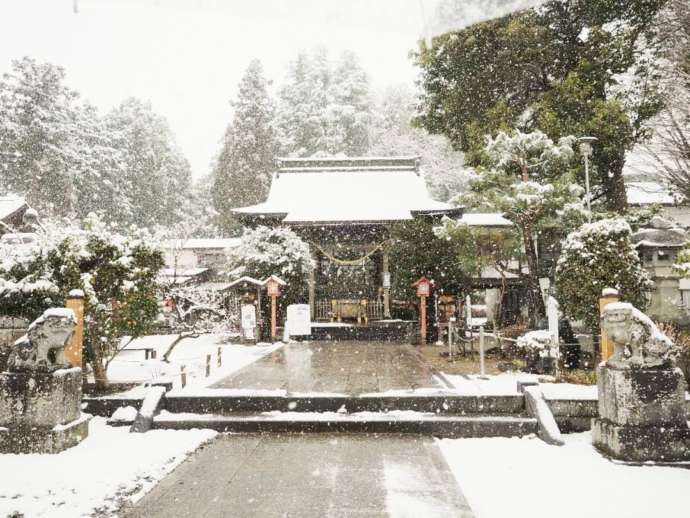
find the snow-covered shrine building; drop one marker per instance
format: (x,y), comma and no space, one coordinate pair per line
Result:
(343,208)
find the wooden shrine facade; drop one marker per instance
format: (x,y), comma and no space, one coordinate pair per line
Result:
(344,209)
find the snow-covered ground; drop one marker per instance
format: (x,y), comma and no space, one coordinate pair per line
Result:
(110,466)
(526,477)
(130,366)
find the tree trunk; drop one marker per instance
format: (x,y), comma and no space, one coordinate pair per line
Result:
(537,308)
(100,374)
(100,371)
(616,196)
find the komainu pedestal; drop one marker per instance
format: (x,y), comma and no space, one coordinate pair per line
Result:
(642,410)
(40,394)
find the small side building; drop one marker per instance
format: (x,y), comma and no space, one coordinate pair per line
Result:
(191,254)
(15,214)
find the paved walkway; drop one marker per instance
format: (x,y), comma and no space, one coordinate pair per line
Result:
(319,476)
(336,367)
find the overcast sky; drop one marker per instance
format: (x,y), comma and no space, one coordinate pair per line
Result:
(187,56)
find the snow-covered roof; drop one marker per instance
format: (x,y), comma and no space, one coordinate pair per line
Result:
(10,205)
(189,272)
(246,279)
(660,233)
(336,190)
(204,243)
(485,219)
(648,192)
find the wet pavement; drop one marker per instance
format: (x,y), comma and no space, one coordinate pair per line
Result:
(308,476)
(336,367)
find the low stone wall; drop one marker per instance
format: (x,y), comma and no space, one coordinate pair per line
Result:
(575,415)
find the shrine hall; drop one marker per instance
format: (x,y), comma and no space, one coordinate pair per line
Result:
(344,207)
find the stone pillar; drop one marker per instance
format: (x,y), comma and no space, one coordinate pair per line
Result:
(608,296)
(386,283)
(642,409)
(74,348)
(642,414)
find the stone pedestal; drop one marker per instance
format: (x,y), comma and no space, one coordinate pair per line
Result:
(40,411)
(642,414)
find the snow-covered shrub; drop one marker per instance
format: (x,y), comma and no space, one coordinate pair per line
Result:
(599,255)
(538,342)
(266,251)
(117,274)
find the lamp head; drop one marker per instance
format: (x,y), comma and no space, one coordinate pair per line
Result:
(586,145)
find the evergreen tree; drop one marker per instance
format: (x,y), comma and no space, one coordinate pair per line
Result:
(242,172)
(116,272)
(527,180)
(324,109)
(391,133)
(301,109)
(583,67)
(350,112)
(597,256)
(55,150)
(156,174)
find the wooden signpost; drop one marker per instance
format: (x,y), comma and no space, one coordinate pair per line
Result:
(423,286)
(273,284)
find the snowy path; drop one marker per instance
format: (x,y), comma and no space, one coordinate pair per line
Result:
(309,476)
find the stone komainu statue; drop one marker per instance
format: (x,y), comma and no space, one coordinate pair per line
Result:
(43,347)
(637,341)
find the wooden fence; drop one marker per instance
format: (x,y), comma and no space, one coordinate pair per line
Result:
(11,329)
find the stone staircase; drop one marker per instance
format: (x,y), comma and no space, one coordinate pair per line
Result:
(440,415)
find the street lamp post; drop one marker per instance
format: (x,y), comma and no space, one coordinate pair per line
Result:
(586,152)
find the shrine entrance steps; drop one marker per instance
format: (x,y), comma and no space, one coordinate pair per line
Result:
(433,414)
(438,415)
(353,387)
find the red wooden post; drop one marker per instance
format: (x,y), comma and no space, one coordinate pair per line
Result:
(423,286)
(208,365)
(422,316)
(220,358)
(183,376)
(274,318)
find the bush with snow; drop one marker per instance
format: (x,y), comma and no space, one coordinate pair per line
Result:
(538,342)
(599,255)
(266,251)
(117,274)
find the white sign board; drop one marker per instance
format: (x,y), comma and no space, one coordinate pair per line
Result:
(298,320)
(248,315)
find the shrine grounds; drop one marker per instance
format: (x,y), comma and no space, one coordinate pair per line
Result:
(198,471)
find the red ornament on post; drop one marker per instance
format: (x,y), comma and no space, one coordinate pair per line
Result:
(273,284)
(423,286)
